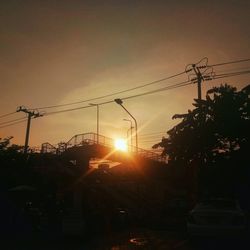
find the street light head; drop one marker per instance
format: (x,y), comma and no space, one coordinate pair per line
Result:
(118,101)
(93,104)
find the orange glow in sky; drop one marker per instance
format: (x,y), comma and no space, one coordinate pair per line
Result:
(53,54)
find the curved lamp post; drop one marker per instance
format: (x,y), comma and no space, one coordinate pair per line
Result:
(131,132)
(119,102)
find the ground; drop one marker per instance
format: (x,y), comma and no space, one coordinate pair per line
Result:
(139,238)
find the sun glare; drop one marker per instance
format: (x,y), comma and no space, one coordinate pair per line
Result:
(120,144)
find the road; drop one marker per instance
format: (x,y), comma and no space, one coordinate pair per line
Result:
(168,240)
(141,239)
(133,239)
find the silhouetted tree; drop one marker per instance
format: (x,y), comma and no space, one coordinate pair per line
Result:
(5,142)
(218,124)
(214,134)
(9,153)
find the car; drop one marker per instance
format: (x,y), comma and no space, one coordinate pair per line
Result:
(216,217)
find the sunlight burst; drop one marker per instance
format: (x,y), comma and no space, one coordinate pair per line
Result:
(121,144)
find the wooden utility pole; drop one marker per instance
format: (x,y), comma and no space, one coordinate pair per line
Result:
(31,114)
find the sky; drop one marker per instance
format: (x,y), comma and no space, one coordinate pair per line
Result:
(56,52)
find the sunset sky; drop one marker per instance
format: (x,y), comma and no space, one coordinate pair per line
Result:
(56,52)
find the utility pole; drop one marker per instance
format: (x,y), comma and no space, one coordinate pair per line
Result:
(31,114)
(199,79)
(203,72)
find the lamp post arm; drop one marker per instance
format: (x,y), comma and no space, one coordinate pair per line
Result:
(97,124)
(136,137)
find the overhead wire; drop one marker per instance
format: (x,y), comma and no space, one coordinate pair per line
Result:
(160,132)
(231,74)
(14,123)
(12,120)
(230,62)
(130,89)
(19,120)
(152,142)
(173,86)
(150,136)
(112,94)
(5,115)
(228,70)
(184,83)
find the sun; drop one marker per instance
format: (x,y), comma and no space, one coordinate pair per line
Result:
(121,144)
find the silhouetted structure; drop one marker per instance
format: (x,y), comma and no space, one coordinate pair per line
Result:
(81,148)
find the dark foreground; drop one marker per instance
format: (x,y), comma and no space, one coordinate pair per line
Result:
(139,238)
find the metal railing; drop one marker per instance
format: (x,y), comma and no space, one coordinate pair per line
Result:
(91,139)
(48,148)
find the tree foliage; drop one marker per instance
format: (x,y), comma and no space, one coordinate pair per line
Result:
(5,142)
(6,148)
(217,125)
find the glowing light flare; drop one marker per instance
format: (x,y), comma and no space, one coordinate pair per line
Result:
(121,144)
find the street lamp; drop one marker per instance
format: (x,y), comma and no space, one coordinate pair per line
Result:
(131,129)
(97,119)
(119,102)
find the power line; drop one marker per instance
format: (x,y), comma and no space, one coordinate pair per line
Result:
(182,84)
(12,120)
(7,114)
(231,74)
(142,139)
(231,62)
(11,124)
(243,70)
(160,132)
(228,70)
(150,141)
(138,87)
(235,72)
(112,94)
(150,136)
(68,110)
